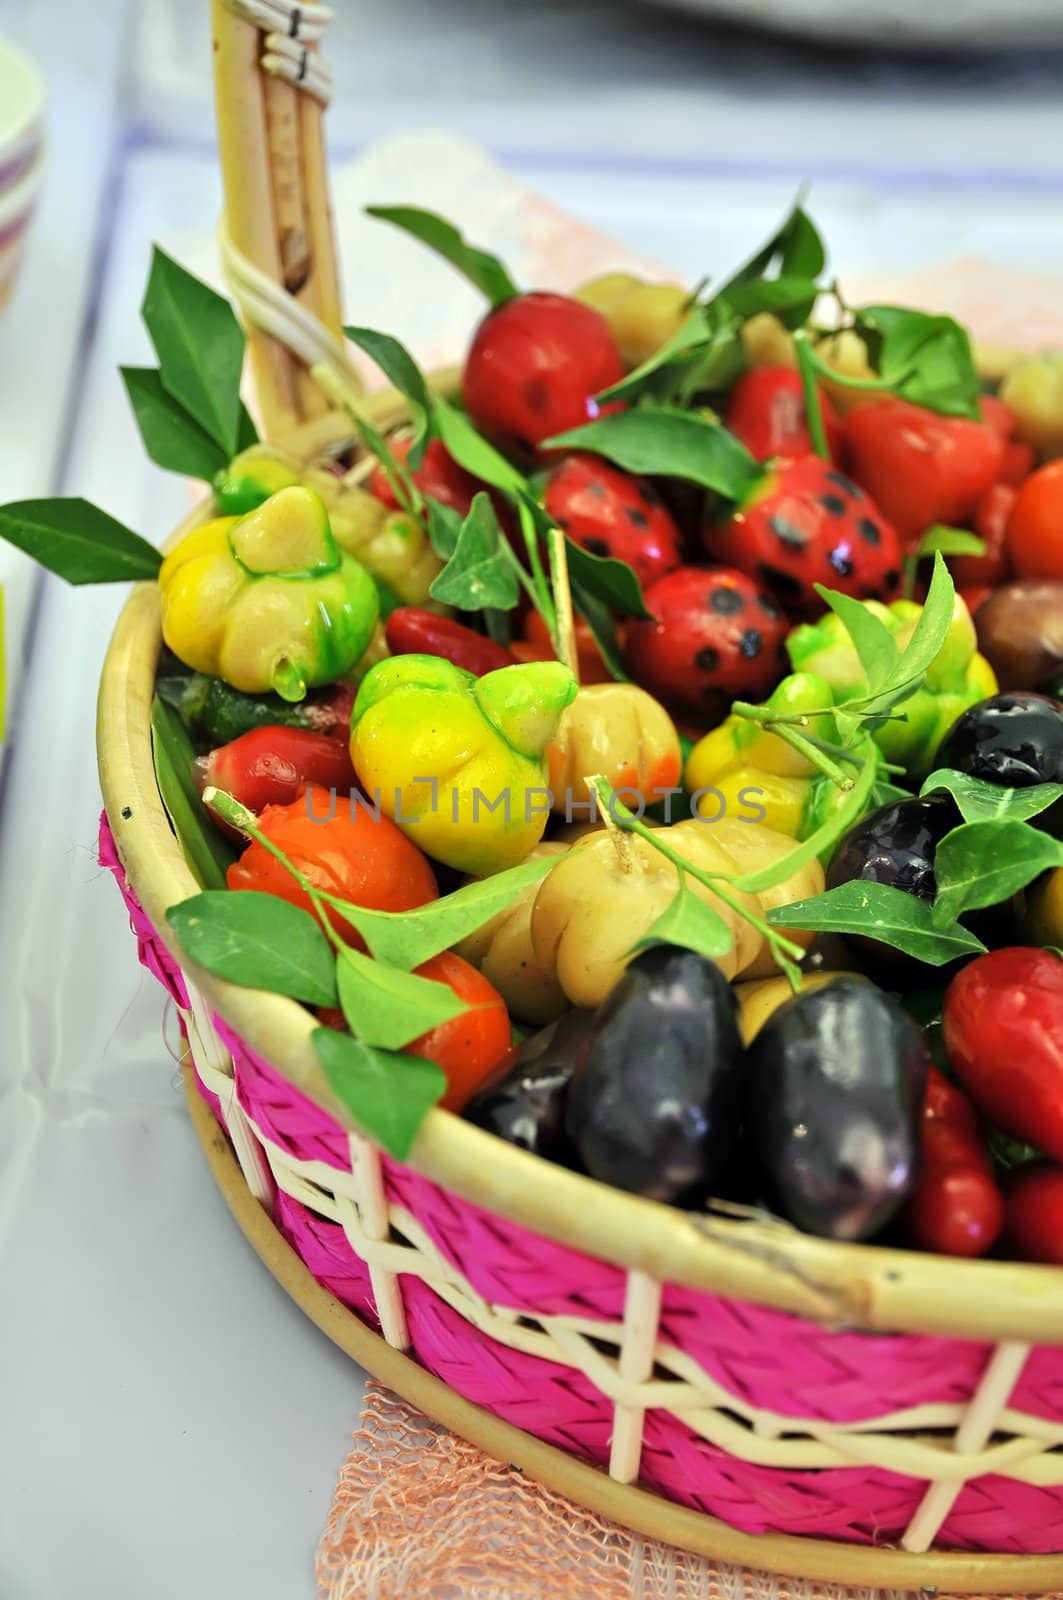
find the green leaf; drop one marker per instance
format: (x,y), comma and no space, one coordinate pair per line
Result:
(247,433)
(872,640)
(926,359)
(983,863)
(822,840)
(471,451)
(259,941)
(200,346)
(881,912)
(795,248)
(600,621)
(402,371)
(388,1093)
(927,638)
(673,444)
(950,542)
(656,375)
(605,578)
(801,246)
(690,923)
(172,438)
(978,801)
(777,295)
(409,938)
(205,849)
(77,541)
(482,269)
(385,1006)
(444,527)
(479,572)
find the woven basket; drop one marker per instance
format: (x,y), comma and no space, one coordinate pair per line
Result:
(831,1411)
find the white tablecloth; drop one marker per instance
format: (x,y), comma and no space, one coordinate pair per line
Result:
(170,1426)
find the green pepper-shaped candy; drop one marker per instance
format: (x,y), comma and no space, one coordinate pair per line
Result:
(457,761)
(958,677)
(251,477)
(268,601)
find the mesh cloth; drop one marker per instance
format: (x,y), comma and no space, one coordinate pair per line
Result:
(420,1514)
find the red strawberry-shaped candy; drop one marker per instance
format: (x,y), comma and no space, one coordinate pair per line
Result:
(766,410)
(804,523)
(716,637)
(535,365)
(438,476)
(612,513)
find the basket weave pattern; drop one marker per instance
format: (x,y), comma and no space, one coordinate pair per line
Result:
(769,1421)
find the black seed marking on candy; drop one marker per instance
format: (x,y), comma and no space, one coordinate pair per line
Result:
(707,659)
(840,481)
(841,561)
(833,504)
(869,531)
(536,394)
(793,538)
(891,578)
(749,644)
(638,518)
(596,489)
(725,600)
(563,523)
(783,583)
(648,494)
(767,605)
(597,547)
(127,812)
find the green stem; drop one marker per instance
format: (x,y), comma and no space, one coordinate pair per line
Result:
(769,718)
(544,602)
(810,390)
(714,881)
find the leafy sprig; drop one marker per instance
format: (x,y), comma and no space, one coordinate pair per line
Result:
(261,941)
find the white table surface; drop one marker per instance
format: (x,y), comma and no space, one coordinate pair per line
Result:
(170,1426)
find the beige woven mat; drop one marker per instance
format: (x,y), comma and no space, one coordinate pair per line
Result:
(421,1515)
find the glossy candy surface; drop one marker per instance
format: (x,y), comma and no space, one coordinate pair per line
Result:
(653,1107)
(834,1087)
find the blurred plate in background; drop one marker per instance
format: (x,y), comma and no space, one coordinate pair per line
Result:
(21,142)
(898,24)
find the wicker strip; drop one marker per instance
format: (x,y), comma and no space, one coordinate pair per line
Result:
(306,22)
(1024,1448)
(372,1211)
(275,312)
(214,1065)
(286,58)
(1002,1373)
(642,1315)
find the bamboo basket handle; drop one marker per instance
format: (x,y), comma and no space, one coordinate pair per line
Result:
(277,239)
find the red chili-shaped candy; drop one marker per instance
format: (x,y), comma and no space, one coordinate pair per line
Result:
(270,766)
(535,365)
(412,632)
(956,1208)
(1003,1022)
(804,523)
(716,637)
(1034,1227)
(991,525)
(766,410)
(612,513)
